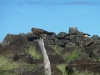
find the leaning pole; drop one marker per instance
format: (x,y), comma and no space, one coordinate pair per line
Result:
(46,61)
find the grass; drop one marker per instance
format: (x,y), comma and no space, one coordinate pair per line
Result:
(74,55)
(32,51)
(57,48)
(61,67)
(68,56)
(7,65)
(30,67)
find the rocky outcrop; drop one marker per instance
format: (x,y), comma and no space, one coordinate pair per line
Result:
(38,70)
(83,65)
(94,50)
(60,39)
(57,46)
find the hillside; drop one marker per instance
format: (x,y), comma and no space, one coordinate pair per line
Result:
(70,53)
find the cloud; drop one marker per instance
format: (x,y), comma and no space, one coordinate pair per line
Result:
(33,2)
(57,3)
(74,3)
(29,3)
(82,3)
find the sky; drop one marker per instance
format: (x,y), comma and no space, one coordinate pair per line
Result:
(19,16)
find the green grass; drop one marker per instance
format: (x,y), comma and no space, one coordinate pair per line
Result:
(68,56)
(74,55)
(57,48)
(30,67)
(7,65)
(61,67)
(32,51)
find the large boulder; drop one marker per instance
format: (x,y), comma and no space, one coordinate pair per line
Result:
(61,35)
(94,50)
(80,40)
(14,43)
(23,57)
(49,42)
(95,38)
(15,39)
(56,59)
(49,49)
(74,31)
(83,65)
(31,36)
(68,50)
(51,36)
(60,42)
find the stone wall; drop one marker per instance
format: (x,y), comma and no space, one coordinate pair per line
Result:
(68,41)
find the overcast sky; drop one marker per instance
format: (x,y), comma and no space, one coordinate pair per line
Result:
(19,16)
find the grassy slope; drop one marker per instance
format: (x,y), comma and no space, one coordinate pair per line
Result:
(7,65)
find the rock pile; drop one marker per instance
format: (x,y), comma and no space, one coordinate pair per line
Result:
(89,46)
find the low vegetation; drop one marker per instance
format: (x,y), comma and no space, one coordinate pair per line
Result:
(7,65)
(61,67)
(68,56)
(57,49)
(74,55)
(32,51)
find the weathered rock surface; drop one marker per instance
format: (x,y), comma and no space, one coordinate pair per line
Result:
(83,64)
(56,46)
(94,50)
(24,57)
(38,70)
(56,59)
(61,35)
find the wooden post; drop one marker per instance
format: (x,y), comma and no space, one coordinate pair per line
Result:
(46,61)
